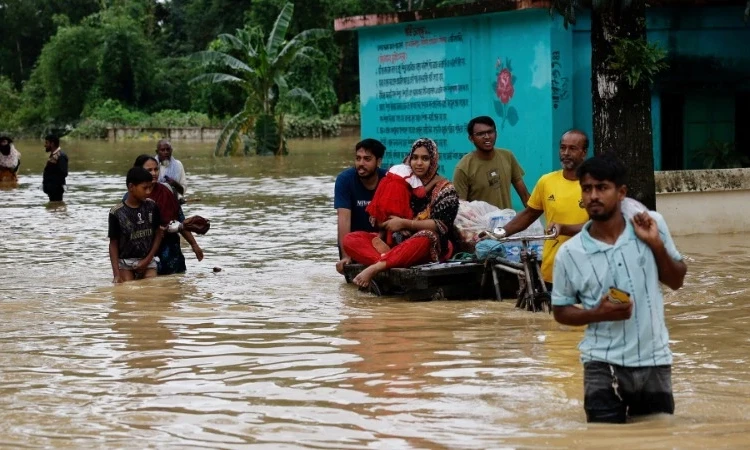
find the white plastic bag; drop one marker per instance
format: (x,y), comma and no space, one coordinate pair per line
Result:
(630,207)
(472,219)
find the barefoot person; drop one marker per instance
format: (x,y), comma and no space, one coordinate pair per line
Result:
(354,190)
(421,239)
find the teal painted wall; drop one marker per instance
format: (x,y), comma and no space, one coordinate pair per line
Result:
(428,79)
(708,36)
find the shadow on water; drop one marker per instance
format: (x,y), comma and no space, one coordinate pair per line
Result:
(275,351)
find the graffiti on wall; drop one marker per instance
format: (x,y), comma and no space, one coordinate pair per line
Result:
(559,83)
(504,90)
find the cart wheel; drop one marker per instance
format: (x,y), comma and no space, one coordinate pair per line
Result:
(543,302)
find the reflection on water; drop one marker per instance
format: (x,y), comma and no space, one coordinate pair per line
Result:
(275,351)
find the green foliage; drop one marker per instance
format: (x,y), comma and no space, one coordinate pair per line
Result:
(311,127)
(72,55)
(351,108)
(637,60)
(720,155)
(267,138)
(112,113)
(106,56)
(67,70)
(115,113)
(261,66)
(175,118)
(28,25)
(126,61)
(11,101)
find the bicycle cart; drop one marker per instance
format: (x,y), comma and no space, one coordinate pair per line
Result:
(532,292)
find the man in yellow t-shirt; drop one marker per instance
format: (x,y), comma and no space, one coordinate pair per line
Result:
(558,196)
(487,173)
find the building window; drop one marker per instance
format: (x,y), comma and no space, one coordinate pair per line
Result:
(708,122)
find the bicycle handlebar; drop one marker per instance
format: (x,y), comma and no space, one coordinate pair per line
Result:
(491,235)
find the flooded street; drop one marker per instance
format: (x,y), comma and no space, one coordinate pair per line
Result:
(276,351)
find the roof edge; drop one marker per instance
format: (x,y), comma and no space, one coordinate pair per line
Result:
(466,9)
(488,6)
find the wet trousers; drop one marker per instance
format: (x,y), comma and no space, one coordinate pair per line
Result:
(413,251)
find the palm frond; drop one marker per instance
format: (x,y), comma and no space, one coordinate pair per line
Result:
(299,42)
(209,57)
(216,78)
(281,83)
(232,40)
(230,129)
(280,27)
(301,94)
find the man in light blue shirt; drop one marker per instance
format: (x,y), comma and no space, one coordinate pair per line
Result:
(625,349)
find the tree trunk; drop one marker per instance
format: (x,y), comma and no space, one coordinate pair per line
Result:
(622,115)
(20,59)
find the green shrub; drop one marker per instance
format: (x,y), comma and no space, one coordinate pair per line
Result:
(310,127)
(350,108)
(175,118)
(114,113)
(90,129)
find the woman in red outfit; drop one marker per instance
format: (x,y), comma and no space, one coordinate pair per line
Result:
(422,239)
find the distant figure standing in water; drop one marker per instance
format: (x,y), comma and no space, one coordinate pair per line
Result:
(171,170)
(56,170)
(10,160)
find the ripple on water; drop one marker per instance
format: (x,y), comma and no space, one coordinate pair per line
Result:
(275,351)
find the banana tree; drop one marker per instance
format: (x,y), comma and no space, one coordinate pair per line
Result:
(260,65)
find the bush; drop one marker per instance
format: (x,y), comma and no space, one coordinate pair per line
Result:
(112,113)
(10,98)
(351,108)
(310,127)
(175,118)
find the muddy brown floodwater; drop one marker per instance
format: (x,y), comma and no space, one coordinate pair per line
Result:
(276,351)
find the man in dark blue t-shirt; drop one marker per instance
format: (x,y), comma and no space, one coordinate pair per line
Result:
(354,190)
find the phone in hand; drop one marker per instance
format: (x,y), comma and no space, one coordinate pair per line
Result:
(618,295)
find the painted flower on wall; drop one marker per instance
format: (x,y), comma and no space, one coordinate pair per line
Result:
(504,90)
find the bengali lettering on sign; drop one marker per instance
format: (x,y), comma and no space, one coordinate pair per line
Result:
(417,86)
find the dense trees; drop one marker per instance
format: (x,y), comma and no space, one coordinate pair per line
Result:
(60,60)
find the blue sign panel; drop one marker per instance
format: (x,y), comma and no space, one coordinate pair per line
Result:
(417,85)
